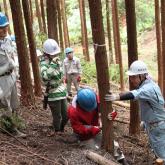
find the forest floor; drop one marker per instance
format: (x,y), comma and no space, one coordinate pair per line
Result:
(39,148)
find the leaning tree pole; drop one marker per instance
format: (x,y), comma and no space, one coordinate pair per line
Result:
(132,56)
(102,70)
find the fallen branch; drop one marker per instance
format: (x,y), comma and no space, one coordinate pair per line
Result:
(121,121)
(13,136)
(122,104)
(34,154)
(3,163)
(99,159)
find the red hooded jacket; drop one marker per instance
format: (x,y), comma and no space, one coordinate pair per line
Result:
(85,124)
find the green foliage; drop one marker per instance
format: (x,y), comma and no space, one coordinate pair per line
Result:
(88,72)
(9,123)
(145,16)
(114,73)
(40,38)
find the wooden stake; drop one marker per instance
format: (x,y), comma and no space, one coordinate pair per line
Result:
(99,159)
(159,161)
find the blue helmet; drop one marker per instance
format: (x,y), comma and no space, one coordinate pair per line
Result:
(68,50)
(86,98)
(3,20)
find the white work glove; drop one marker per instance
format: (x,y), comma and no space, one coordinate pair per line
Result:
(111,97)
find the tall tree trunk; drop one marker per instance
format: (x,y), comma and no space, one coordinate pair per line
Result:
(163,41)
(115,29)
(65,26)
(102,70)
(31,10)
(27,95)
(43,16)
(132,56)
(158,39)
(52,19)
(60,25)
(39,15)
(111,60)
(6,13)
(117,42)
(84,30)
(32,45)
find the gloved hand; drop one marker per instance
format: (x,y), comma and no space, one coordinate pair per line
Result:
(111,97)
(78,78)
(112,115)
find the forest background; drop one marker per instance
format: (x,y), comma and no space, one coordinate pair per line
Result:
(146,37)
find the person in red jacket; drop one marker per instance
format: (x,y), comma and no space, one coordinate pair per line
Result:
(84,118)
(84,114)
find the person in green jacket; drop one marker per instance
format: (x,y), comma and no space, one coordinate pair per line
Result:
(52,76)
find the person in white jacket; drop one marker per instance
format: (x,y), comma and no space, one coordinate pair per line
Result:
(151,102)
(9,100)
(72,70)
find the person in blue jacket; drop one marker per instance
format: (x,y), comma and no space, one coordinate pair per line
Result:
(151,101)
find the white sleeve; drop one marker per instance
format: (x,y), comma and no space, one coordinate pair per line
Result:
(74,101)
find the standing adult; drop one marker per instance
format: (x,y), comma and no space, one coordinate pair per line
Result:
(52,76)
(151,104)
(72,70)
(9,100)
(7,66)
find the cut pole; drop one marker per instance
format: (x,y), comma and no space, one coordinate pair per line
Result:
(159,161)
(99,159)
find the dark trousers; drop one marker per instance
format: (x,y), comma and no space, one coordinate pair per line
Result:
(59,114)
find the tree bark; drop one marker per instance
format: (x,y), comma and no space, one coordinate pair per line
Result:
(158,39)
(102,70)
(163,41)
(39,15)
(65,26)
(52,19)
(111,60)
(43,16)
(134,127)
(117,42)
(27,95)
(31,10)
(60,25)
(84,30)
(32,46)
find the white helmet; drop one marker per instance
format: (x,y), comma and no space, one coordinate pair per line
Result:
(51,47)
(137,67)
